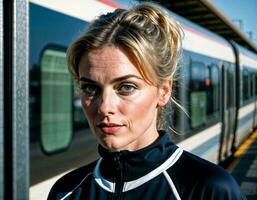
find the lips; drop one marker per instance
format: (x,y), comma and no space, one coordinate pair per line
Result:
(109,128)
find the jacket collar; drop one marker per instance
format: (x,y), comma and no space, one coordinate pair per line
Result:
(134,164)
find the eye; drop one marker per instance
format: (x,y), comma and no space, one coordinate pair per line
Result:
(90,90)
(126,89)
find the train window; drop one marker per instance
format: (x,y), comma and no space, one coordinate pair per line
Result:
(213,90)
(56,101)
(251,84)
(246,84)
(204,95)
(198,95)
(230,85)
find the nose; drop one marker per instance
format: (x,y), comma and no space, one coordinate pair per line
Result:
(107,103)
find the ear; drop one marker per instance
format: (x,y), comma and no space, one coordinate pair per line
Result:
(164,93)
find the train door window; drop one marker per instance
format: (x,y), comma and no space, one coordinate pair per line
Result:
(246,85)
(56,101)
(213,90)
(251,84)
(230,86)
(198,95)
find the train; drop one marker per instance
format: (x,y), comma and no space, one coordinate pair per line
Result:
(216,85)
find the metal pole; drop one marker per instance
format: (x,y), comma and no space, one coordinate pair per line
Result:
(16,103)
(1,104)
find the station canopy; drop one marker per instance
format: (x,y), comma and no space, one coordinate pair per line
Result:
(207,15)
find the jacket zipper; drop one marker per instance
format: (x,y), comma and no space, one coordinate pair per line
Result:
(119,176)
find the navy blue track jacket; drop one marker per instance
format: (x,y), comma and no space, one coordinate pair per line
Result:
(160,171)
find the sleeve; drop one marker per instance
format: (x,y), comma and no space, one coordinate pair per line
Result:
(66,184)
(59,190)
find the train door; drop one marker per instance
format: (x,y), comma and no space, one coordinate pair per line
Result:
(228,113)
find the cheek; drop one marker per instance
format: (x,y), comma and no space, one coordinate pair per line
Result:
(89,107)
(141,107)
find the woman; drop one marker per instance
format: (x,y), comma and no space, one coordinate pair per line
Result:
(124,65)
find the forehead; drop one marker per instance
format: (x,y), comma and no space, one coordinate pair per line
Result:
(109,59)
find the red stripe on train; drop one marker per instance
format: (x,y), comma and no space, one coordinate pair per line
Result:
(111,3)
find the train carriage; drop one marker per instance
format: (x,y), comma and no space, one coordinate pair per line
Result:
(207,68)
(216,84)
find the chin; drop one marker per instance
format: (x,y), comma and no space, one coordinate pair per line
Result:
(111,145)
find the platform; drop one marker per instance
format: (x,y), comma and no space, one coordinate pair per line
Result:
(244,167)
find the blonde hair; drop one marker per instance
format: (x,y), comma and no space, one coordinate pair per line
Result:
(150,37)
(147,34)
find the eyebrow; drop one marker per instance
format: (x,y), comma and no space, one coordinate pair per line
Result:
(118,79)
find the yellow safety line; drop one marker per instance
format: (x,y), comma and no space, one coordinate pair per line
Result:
(241,150)
(245,146)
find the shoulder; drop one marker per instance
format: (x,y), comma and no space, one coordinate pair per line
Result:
(209,180)
(199,166)
(69,181)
